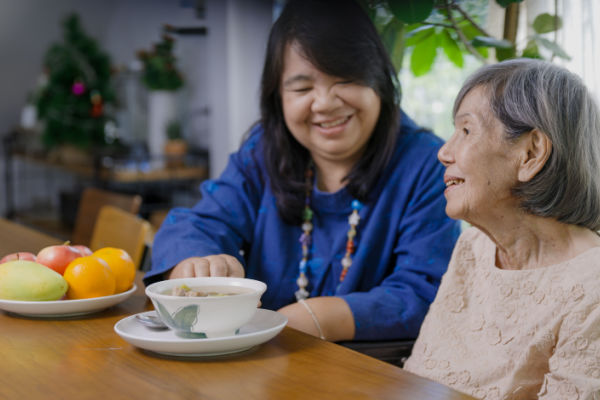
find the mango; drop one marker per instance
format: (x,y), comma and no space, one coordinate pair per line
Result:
(30,281)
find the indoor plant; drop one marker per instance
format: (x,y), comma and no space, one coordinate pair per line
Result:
(163,79)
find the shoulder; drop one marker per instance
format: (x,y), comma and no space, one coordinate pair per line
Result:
(250,152)
(252,138)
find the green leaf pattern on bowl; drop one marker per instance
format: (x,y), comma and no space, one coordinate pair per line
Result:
(183,319)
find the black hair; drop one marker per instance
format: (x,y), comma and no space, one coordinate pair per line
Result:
(339,39)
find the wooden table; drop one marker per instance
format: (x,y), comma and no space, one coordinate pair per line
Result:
(83,358)
(15,237)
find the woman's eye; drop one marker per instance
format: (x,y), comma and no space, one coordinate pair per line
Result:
(301,90)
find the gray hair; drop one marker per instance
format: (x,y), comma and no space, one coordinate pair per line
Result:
(526,94)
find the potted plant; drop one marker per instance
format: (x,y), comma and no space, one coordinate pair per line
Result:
(163,79)
(176,147)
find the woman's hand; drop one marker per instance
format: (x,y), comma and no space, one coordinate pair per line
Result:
(217,265)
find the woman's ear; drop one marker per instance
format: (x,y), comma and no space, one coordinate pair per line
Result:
(537,150)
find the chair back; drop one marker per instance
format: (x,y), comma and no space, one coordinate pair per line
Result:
(118,228)
(92,200)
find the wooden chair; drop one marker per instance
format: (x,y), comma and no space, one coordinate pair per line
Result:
(92,199)
(118,228)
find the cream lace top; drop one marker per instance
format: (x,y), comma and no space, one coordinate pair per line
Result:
(513,334)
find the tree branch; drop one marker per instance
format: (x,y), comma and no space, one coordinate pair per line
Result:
(468,18)
(461,35)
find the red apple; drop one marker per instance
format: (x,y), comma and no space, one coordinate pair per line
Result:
(84,250)
(58,257)
(23,255)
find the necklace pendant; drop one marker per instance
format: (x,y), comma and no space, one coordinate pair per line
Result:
(301,294)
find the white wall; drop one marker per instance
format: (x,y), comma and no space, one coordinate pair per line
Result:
(222,69)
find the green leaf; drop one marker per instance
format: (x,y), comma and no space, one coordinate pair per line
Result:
(451,48)
(418,35)
(469,30)
(410,11)
(553,47)
(423,55)
(486,41)
(505,54)
(505,3)
(185,317)
(545,23)
(531,50)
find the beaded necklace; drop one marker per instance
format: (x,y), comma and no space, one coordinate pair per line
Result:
(305,237)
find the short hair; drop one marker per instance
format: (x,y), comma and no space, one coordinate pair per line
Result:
(527,94)
(339,39)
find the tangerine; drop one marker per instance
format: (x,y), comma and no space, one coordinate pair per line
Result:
(89,277)
(121,265)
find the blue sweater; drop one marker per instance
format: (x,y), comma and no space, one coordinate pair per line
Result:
(403,245)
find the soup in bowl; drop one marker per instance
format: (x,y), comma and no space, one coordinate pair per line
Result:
(207,306)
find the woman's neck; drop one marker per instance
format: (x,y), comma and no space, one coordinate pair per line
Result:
(535,242)
(330,175)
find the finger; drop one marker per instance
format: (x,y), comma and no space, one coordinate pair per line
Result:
(201,267)
(235,268)
(218,266)
(184,269)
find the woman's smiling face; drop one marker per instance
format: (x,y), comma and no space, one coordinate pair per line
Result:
(481,164)
(330,116)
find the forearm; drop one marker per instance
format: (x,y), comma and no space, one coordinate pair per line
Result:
(332,315)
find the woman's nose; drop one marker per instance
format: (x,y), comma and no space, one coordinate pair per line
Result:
(325,100)
(444,154)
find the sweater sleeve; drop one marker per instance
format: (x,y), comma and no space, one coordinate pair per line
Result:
(220,223)
(425,238)
(574,367)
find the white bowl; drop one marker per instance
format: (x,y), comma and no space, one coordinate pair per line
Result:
(211,316)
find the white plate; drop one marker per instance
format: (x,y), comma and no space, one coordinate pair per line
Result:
(265,325)
(64,308)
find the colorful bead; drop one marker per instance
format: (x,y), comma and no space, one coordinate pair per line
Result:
(356,205)
(350,247)
(346,262)
(354,218)
(302,281)
(308,214)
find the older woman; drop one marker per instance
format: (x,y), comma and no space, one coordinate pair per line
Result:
(517,315)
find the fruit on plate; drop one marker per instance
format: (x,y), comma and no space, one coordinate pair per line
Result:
(30,281)
(89,277)
(57,257)
(22,255)
(121,264)
(84,250)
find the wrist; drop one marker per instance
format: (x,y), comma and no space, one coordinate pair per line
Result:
(314,318)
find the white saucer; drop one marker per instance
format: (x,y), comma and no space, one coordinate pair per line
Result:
(265,325)
(64,308)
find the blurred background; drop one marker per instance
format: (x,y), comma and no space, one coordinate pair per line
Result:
(150,97)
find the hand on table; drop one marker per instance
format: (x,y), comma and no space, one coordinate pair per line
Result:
(216,265)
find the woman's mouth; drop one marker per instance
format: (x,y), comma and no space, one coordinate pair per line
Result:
(331,124)
(454,181)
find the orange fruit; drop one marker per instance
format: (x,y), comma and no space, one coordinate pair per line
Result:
(89,277)
(121,265)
